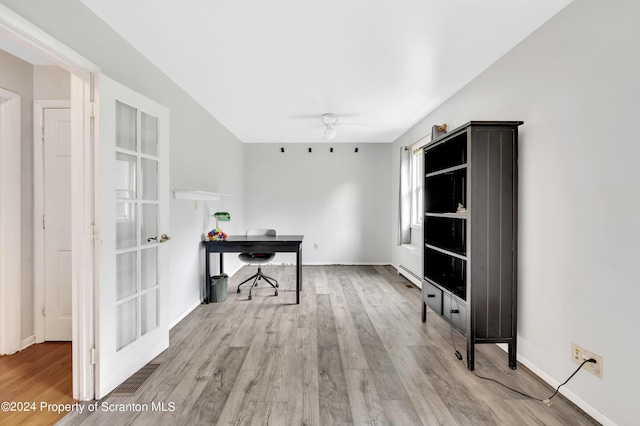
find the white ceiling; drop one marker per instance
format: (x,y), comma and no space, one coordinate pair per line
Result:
(267,70)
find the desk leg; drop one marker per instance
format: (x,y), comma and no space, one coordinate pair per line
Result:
(221,264)
(298,273)
(207,286)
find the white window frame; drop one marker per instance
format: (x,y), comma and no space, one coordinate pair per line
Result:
(417,182)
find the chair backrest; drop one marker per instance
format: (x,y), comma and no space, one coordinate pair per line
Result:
(258,232)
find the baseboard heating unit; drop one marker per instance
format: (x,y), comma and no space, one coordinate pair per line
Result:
(410,275)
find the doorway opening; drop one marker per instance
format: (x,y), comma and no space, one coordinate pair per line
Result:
(18,32)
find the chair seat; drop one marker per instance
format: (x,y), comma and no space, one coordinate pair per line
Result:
(259,258)
(256,257)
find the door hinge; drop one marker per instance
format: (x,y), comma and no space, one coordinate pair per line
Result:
(94,233)
(43,311)
(91,108)
(92,356)
(43,223)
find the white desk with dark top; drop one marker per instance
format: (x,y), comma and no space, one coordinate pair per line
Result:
(253,244)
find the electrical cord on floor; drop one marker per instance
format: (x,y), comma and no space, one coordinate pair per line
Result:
(545,401)
(453,342)
(548,400)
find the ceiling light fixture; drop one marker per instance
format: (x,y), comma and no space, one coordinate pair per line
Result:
(330,122)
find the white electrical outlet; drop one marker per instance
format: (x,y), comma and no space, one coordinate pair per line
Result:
(580,354)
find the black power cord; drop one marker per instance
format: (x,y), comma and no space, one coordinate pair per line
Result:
(546,401)
(453,342)
(459,356)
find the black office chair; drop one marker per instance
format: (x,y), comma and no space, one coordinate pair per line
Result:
(259,259)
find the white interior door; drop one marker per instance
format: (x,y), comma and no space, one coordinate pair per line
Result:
(134,220)
(57,224)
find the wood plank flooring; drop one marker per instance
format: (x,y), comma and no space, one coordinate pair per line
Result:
(40,373)
(354,352)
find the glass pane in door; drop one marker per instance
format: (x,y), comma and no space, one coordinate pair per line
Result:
(149,319)
(126,274)
(149,134)
(149,224)
(126,123)
(126,225)
(125,176)
(149,179)
(126,323)
(149,268)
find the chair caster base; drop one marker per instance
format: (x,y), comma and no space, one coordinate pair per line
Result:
(238,291)
(249,297)
(276,293)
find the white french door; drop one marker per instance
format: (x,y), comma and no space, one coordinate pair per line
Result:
(132,294)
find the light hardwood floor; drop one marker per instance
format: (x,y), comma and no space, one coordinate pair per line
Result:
(353,352)
(39,374)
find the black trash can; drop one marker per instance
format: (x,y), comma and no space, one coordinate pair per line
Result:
(219,288)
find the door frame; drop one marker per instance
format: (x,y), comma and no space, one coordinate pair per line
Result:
(84,179)
(39,293)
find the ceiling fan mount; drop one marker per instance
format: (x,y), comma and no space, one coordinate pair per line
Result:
(330,122)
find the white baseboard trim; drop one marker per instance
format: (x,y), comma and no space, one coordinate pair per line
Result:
(198,303)
(235,270)
(579,402)
(25,343)
(184,314)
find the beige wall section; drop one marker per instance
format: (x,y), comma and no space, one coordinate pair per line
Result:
(17,77)
(51,83)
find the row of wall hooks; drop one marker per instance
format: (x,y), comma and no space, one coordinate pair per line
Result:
(310,150)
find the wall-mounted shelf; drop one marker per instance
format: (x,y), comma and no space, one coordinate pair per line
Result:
(198,195)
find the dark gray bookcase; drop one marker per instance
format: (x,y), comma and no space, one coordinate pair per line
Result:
(470,232)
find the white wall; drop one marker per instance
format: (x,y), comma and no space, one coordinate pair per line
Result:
(340,201)
(575,84)
(211,160)
(204,155)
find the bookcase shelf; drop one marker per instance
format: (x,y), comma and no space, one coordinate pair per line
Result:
(470,232)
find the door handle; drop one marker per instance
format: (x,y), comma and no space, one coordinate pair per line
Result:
(163,238)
